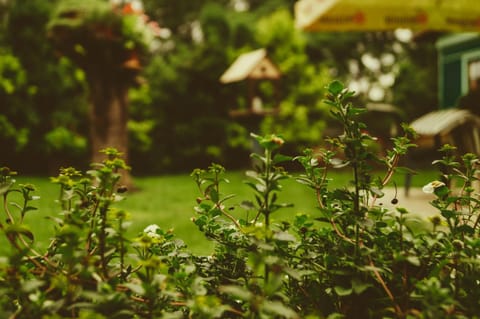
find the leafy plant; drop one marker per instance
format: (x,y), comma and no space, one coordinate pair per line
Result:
(348,258)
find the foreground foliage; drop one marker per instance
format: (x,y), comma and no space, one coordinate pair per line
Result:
(350,258)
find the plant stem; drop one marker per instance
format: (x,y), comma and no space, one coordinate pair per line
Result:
(7,211)
(102,240)
(398,310)
(122,248)
(266,210)
(237,224)
(356,208)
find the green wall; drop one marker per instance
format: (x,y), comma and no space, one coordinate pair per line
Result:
(454,52)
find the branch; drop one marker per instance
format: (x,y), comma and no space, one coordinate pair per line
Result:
(379,278)
(229,216)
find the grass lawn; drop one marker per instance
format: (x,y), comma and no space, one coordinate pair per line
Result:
(168,201)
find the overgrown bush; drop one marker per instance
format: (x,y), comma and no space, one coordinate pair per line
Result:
(349,258)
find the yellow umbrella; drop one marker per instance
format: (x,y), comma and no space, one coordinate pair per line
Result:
(364,15)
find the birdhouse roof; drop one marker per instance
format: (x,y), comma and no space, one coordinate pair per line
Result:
(251,65)
(442,121)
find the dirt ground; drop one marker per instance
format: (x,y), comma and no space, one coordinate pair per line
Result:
(417,202)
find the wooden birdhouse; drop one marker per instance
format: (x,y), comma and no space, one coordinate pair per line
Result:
(262,78)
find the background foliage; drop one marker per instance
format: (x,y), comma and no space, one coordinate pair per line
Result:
(179,116)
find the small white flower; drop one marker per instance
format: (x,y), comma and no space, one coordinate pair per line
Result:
(151,231)
(151,228)
(154,235)
(430,187)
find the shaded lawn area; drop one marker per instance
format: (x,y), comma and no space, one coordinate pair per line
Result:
(168,201)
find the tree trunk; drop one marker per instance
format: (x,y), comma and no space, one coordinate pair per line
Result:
(108,120)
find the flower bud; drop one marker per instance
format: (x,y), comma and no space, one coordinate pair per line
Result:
(436,220)
(458,244)
(122,189)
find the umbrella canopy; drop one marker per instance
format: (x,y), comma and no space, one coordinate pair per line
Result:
(364,15)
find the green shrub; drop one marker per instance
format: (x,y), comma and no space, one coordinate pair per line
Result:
(349,258)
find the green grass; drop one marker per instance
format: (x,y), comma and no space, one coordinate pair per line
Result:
(168,201)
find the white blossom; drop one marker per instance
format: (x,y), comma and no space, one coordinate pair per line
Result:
(151,231)
(430,187)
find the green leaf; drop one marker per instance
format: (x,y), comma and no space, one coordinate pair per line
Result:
(247,205)
(284,236)
(236,291)
(15,205)
(414,260)
(298,274)
(4,187)
(279,158)
(215,212)
(448,213)
(137,289)
(31,285)
(213,195)
(441,191)
(377,191)
(19,229)
(261,187)
(354,111)
(276,307)
(305,181)
(466,229)
(335,87)
(381,224)
(258,157)
(342,291)
(358,286)
(30,208)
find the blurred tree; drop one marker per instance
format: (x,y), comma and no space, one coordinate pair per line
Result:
(44,94)
(188,102)
(302,115)
(190,105)
(416,86)
(14,121)
(108,42)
